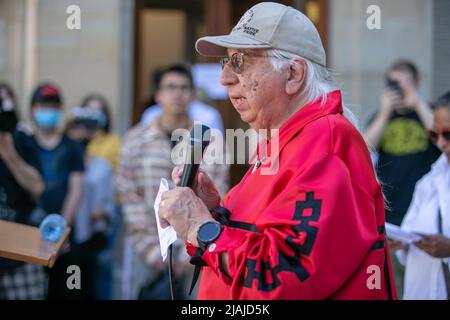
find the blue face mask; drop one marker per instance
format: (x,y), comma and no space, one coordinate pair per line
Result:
(47,117)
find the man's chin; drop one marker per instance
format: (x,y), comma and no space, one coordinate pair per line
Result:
(247,119)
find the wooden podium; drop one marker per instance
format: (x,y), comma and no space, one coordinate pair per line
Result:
(24,243)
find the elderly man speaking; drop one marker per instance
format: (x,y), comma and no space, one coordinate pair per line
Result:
(313,230)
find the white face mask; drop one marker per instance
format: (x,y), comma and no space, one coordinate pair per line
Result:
(8,105)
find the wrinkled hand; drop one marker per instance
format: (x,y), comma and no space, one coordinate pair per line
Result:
(184,211)
(203,187)
(7,148)
(436,246)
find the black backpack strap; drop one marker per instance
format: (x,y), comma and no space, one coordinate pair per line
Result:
(198,262)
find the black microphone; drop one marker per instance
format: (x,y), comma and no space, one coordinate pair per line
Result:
(199,139)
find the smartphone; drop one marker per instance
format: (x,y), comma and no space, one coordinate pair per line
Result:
(8,119)
(394,85)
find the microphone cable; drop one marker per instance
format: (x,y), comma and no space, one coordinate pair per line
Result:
(171,273)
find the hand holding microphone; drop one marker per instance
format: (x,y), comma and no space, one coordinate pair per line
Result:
(181,207)
(203,187)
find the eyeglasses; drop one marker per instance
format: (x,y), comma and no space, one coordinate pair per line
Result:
(237,60)
(172,88)
(434,136)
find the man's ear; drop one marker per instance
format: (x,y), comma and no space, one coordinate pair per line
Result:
(296,75)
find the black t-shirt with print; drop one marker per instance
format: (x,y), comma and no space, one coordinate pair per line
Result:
(16,204)
(405,154)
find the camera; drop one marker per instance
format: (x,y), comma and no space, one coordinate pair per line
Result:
(87,119)
(8,118)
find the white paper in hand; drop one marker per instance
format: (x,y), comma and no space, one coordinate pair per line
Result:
(167,235)
(396,233)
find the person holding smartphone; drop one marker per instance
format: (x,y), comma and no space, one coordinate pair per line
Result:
(21,184)
(398,133)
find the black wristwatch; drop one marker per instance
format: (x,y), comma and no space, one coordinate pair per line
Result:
(208,233)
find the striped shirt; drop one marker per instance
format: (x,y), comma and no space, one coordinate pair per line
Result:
(145,158)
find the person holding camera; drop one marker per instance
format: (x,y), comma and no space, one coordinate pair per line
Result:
(398,134)
(146,157)
(20,184)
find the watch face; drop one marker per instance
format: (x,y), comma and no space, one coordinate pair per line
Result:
(209,232)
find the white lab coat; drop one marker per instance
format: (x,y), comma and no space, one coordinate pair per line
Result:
(424,278)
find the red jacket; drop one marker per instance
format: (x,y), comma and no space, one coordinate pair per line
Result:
(315,229)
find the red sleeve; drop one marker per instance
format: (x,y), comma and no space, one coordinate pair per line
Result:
(309,241)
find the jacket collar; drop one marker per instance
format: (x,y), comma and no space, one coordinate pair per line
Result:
(330,104)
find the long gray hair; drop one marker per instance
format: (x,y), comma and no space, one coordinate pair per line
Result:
(318,83)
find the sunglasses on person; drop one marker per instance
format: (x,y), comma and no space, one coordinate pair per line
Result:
(434,135)
(237,60)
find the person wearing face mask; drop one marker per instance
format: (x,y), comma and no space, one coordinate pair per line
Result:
(10,119)
(20,185)
(104,143)
(427,273)
(61,160)
(93,220)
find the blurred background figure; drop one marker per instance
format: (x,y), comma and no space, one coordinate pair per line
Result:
(145,159)
(94,218)
(197,110)
(9,105)
(62,164)
(106,145)
(398,133)
(427,272)
(20,185)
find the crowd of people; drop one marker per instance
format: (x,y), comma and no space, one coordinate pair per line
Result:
(104,187)
(279,243)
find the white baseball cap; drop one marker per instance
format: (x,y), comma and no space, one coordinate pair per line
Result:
(269,25)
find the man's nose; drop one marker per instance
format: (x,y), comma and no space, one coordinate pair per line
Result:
(228,77)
